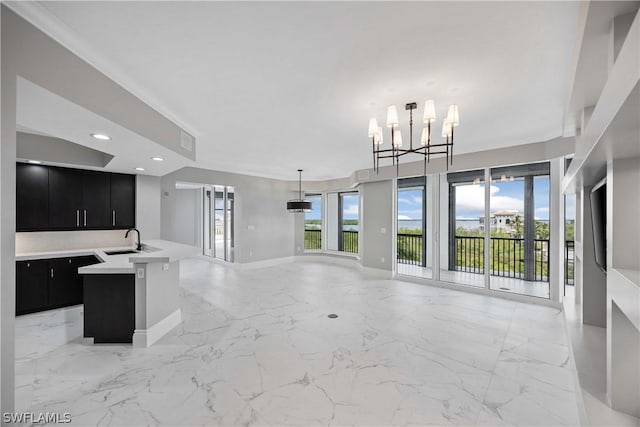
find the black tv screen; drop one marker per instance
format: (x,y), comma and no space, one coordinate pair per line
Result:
(599,223)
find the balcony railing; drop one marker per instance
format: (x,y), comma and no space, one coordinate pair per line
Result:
(350,241)
(506,255)
(312,239)
(569,260)
(410,249)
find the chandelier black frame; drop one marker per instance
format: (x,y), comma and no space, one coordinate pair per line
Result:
(299,204)
(427,148)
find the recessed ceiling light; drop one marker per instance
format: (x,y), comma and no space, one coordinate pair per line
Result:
(157,159)
(139,169)
(101,136)
(35,162)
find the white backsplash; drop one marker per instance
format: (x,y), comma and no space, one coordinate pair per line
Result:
(46,241)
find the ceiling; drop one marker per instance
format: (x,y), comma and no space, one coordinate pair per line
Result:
(268,88)
(42,112)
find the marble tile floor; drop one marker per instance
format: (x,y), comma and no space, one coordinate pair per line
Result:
(256,348)
(498,283)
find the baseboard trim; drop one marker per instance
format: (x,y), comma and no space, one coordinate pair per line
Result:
(264,263)
(143,338)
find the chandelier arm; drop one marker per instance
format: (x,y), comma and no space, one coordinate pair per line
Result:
(411,129)
(452,127)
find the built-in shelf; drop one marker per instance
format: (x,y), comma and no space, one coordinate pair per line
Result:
(623,287)
(612,131)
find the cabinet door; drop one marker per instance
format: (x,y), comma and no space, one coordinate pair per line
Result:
(96,200)
(65,198)
(32,197)
(123,200)
(31,286)
(65,287)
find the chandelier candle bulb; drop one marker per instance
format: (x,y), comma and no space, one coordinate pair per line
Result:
(392,116)
(397,138)
(373,127)
(429,111)
(453,116)
(377,138)
(424,139)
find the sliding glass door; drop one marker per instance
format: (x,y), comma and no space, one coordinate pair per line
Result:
(218,217)
(413,253)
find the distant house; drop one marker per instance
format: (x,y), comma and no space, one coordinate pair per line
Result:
(504,219)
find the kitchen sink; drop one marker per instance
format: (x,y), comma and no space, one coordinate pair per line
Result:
(121,252)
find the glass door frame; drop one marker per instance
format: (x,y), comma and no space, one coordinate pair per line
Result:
(440,184)
(228,221)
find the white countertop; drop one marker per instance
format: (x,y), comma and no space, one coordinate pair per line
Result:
(153,251)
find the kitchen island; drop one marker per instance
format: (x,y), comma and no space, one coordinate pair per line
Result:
(130,296)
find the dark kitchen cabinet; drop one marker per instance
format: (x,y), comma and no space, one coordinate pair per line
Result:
(96,200)
(32,292)
(65,198)
(51,198)
(123,191)
(49,283)
(65,284)
(32,196)
(109,307)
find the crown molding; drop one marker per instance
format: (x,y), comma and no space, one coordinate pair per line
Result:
(45,21)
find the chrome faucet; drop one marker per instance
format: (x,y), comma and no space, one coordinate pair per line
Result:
(139,246)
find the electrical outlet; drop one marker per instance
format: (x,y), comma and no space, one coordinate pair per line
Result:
(382,259)
(298,248)
(250,253)
(383,230)
(140,272)
(165,267)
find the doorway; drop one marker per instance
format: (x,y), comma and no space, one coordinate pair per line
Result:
(219,211)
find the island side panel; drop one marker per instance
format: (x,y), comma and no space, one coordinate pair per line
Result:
(109,307)
(157,308)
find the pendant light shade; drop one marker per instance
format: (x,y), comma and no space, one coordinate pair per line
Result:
(299,205)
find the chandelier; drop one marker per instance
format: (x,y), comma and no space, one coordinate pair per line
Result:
(426,148)
(299,204)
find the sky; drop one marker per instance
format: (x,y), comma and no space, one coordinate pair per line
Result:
(470,200)
(350,206)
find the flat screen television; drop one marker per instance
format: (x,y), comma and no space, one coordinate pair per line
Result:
(599,222)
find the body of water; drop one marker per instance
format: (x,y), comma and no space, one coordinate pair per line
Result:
(416,224)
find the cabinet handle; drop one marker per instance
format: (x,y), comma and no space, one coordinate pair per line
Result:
(114,218)
(52,273)
(77,217)
(85,217)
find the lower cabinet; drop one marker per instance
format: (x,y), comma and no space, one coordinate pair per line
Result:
(49,283)
(32,291)
(109,307)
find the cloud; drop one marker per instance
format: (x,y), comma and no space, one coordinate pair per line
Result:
(351,210)
(405,217)
(471,198)
(542,213)
(413,200)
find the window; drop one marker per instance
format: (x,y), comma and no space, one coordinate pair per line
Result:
(350,222)
(462,259)
(414,227)
(343,221)
(313,223)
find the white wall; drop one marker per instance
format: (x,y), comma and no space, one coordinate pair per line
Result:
(188,217)
(376,239)
(148,190)
(263,228)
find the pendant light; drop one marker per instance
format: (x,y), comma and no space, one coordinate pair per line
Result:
(299,205)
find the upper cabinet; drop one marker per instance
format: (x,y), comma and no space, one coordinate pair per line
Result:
(32,196)
(123,191)
(65,198)
(96,200)
(53,198)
